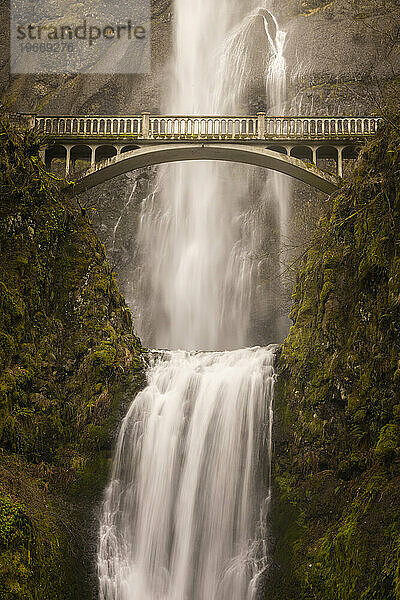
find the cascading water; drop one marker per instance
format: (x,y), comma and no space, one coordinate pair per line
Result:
(189,481)
(276,91)
(185,514)
(196,275)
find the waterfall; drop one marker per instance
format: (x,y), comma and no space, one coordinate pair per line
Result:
(185,516)
(276,92)
(197,277)
(189,481)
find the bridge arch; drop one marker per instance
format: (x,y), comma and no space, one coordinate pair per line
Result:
(252,155)
(327,152)
(80,157)
(276,148)
(327,158)
(56,152)
(129,148)
(303,153)
(351,152)
(105,152)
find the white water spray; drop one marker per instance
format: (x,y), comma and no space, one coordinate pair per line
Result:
(185,514)
(196,271)
(190,474)
(276,92)
(197,250)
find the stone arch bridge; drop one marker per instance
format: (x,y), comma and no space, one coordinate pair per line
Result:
(111,145)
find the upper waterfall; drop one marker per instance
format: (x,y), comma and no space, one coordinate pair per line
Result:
(198,240)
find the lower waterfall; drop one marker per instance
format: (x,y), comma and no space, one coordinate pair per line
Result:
(185,513)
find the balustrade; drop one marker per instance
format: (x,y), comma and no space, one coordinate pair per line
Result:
(164,127)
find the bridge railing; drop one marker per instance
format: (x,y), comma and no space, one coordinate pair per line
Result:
(188,127)
(309,127)
(165,127)
(80,126)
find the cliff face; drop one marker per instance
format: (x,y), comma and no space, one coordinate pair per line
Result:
(341,53)
(337,466)
(85,93)
(68,359)
(339,56)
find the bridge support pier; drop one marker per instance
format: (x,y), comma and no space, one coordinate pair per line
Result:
(92,156)
(340,161)
(314,154)
(68,161)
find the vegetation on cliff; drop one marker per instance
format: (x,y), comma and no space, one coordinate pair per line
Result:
(337,467)
(68,357)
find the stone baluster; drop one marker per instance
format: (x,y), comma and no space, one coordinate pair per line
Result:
(31,121)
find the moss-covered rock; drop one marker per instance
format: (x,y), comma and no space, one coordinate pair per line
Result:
(69,358)
(388,446)
(337,472)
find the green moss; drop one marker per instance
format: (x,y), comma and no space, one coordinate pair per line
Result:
(70,360)
(338,433)
(14,525)
(103,357)
(388,446)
